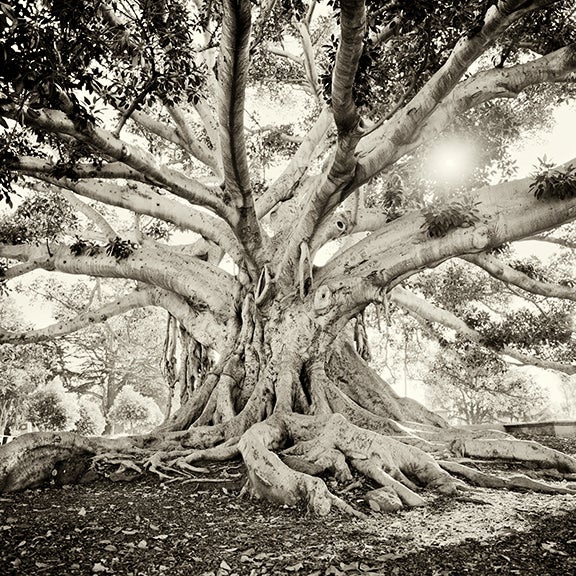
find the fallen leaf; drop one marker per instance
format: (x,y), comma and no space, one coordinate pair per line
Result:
(99,567)
(82,511)
(142,544)
(161,537)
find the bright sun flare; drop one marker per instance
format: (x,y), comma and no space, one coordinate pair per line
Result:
(451,161)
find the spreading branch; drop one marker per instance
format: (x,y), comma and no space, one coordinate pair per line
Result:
(430,313)
(506,273)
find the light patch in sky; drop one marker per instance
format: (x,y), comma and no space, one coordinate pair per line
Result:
(451,161)
(558,144)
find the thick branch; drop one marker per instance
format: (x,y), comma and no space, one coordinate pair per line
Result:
(233,78)
(133,156)
(152,264)
(508,212)
(284,186)
(142,199)
(352,30)
(488,85)
(380,148)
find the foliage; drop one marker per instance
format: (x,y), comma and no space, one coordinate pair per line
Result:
(84,247)
(44,216)
(52,408)
(102,358)
(91,421)
(441,217)
(133,409)
(120,249)
(476,387)
(554,184)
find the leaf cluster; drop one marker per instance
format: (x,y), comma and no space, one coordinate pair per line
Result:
(52,50)
(85,247)
(13,143)
(120,249)
(442,217)
(553,184)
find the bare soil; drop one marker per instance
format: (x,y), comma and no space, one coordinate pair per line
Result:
(147,527)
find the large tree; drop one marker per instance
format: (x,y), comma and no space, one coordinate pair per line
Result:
(376,84)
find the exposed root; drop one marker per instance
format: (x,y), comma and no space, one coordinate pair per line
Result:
(385,460)
(519,450)
(272,479)
(518,482)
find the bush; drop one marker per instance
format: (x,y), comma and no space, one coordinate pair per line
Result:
(134,410)
(52,408)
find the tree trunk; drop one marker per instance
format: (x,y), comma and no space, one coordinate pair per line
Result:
(295,402)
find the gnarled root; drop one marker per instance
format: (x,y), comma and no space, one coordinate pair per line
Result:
(329,443)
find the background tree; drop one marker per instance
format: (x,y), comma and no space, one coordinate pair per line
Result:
(25,369)
(90,421)
(476,387)
(52,408)
(147,107)
(103,358)
(133,410)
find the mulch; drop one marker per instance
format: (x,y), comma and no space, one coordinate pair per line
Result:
(148,527)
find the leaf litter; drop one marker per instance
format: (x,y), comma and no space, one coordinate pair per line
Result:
(146,528)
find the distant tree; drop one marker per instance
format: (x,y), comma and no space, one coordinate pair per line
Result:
(23,369)
(135,410)
(568,391)
(52,408)
(103,357)
(476,386)
(91,421)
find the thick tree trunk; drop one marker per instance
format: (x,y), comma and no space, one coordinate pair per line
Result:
(295,403)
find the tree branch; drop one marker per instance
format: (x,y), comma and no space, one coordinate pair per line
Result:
(508,212)
(152,264)
(381,148)
(427,311)
(141,199)
(90,213)
(191,144)
(106,143)
(138,299)
(284,186)
(233,78)
(505,273)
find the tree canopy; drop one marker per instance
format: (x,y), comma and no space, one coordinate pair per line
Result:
(276,164)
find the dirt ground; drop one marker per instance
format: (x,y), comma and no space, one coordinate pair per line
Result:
(146,527)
